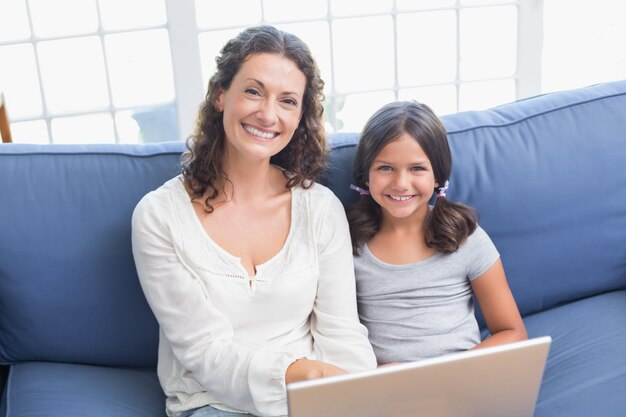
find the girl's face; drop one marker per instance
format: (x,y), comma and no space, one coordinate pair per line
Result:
(262,107)
(401,180)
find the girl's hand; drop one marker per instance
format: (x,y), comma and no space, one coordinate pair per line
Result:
(304,369)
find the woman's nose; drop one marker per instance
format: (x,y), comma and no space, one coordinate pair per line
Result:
(267,113)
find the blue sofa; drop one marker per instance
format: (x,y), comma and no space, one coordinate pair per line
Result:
(546,174)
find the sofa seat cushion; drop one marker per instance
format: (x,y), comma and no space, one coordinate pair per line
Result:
(586,370)
(43,389)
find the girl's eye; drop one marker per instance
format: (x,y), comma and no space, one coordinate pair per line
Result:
(417,168)
(384,168)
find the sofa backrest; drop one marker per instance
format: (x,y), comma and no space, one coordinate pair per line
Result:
(68,286)
(547,176)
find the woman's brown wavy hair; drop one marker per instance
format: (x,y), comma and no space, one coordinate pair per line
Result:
(302,159)
(448,224)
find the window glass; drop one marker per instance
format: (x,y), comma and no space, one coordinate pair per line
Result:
(34,131)
(357,7)
(63,17)
(482,2)
(355,109)
(147,125)
(13,20)
(90,128)
(423,4)
(140,68)
(212,14)
(281,10)
(316,35)
(440,98)
(211,43)
(488,42)
(129,14)
(73,74)
(420,59)
(585,48)
(19,80)
(486,94)
(369,63)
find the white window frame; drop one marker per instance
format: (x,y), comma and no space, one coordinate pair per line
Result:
(187,68)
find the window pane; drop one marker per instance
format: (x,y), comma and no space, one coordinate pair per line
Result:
(357,7)
(488,42)
(210,45)
(129,14)
(356,109)
(140,67)
(369,63)
(441,98)
(155,124)
(482,2)
(280,10)
(13,20)
(19,80)
(317,36)
(423,4)
(487,94)
(73,74)
(586,48)
(420,59)
(211,14)
(91,128)
(63,17)
(30,132)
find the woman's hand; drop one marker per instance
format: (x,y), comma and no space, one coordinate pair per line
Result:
(304,369)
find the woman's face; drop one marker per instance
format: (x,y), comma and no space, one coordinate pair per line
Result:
(401,179)
(262,107)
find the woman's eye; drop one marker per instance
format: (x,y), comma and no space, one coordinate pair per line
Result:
(384,168)
(252,91)
(291,102)
(417,169)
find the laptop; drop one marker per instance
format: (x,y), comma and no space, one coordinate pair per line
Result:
(496,381)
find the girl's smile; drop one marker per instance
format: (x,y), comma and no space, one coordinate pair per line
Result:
(401,179)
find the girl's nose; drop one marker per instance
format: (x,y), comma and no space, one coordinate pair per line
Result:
(400,181)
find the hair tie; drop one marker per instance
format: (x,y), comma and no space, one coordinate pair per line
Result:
(359,189)
(442,190)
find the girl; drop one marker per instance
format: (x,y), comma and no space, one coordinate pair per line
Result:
(244,260)
(417,266)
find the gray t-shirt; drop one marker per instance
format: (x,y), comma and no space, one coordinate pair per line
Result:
(424,309)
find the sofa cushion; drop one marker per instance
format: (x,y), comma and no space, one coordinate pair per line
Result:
(586,370)
(547,178)
(68,286)
(41,389)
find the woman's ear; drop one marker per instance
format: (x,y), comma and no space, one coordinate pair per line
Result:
(219,101)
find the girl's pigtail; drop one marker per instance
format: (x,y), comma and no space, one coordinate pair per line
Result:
(448,224)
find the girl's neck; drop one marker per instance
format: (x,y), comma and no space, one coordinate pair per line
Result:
(412,225)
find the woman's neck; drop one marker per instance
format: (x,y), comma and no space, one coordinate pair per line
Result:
(251,180)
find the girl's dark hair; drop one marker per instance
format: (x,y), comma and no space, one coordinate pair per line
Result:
(302,159)
(448,224)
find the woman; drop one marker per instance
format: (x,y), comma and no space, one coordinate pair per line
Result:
(244,260)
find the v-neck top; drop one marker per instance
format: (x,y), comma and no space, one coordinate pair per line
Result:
(226,343)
